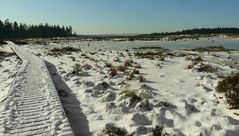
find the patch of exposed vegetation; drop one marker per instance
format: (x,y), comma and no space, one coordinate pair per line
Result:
(136,65)
(20,42)
(120,68)
(207,68)
(114,131)
(211,49)
(5,54)
(112,72)
(166,104)
(62,51)
(128,63)
(129,76)
(195,62)
(2,42)
(76,68)
(141,78)
(230,86)
(134,98)
(107,64)
(151,47)
(151,55)
(158,130)
(135,71)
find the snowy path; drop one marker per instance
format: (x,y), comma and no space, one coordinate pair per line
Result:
(33,106)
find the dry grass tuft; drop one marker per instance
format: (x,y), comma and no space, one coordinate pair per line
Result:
(128,63)
(134,98)
(141,78)
(120,68)
(135,71)
(76,68)
(112,72)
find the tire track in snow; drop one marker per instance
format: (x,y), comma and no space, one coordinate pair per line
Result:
(33,106)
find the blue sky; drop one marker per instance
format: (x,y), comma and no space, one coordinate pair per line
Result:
(124,16)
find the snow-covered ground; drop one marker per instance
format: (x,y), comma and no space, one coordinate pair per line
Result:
(32,106)
(143,93)
(9,64)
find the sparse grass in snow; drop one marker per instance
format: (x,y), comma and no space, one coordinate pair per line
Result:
(211,49)
(230,86)
(61,51)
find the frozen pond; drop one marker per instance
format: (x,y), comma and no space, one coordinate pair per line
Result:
(123,45)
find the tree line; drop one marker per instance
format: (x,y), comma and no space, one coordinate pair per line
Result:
(12,30)
(218,30)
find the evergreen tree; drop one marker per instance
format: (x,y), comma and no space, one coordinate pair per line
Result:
(15,30)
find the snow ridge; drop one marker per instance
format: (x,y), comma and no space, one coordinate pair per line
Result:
(33,106)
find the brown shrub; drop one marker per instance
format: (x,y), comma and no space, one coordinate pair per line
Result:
(230,86)
(134,98)
(112,72)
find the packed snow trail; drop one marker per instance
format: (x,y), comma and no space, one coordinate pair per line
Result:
(33,106)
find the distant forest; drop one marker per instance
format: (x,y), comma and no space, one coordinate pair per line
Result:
(193,33)
(219,30)
(14,30)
